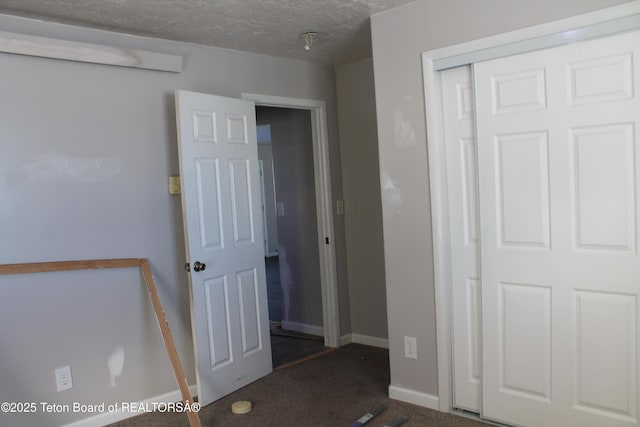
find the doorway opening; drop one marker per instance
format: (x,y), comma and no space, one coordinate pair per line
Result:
(294,291)
(323,205)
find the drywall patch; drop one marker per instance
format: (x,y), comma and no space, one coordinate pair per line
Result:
(115,363)
(61,168)
(391,194)
(405,135)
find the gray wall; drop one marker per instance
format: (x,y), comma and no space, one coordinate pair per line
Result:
(399,36)
(85,155)
(292,147)
(363,211)
(265,154)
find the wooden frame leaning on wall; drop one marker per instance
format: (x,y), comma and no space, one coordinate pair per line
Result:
(145,269)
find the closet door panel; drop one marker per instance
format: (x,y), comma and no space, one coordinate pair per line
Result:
(558,173)
(460,151)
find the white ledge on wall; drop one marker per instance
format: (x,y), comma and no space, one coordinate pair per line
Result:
(44,47)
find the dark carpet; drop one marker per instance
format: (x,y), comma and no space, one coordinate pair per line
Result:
(332,390)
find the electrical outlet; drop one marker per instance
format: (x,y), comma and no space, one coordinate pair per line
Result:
(410,348)
(63,378)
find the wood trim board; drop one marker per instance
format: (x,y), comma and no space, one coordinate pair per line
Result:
(49,47)
(145,269)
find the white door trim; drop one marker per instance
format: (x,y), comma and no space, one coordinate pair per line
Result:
(265,230)
(513,42)
(324,206)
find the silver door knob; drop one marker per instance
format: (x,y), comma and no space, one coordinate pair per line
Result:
(199,266)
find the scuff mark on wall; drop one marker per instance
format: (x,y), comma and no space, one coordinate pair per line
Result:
(405,135)
(391,194)
(60,168)
(115,363)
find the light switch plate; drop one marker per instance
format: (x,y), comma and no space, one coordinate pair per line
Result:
(174,185)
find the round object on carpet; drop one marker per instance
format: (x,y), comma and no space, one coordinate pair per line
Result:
(241,407)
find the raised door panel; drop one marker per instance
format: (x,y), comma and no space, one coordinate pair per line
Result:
(606,342)
(204,126)
(241,201)
(218,322)
(469,190)
(209,205)
(522,189)
(519,92)
(524,326)
(474,336)
(601,79)
(237,129)
(250,311)
(604,199)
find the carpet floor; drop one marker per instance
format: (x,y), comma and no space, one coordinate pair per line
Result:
(332,390)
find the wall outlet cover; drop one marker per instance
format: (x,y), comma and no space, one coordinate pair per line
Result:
(410,348)
(63,378)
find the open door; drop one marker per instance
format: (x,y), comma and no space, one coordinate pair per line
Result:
(224,241)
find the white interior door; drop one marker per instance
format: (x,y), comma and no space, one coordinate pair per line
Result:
(221,209)
(460,151)
(558,167)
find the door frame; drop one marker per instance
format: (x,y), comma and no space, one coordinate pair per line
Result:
(265,229)
(324,205)
(608,21)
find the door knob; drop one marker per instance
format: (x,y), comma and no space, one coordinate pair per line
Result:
(199,266)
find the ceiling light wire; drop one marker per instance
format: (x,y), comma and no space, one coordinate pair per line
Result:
(308,39)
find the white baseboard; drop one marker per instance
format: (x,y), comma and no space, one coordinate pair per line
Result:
(345,339)
(415,397)
(303,327)
(369,340)
(106,418)
(364,339)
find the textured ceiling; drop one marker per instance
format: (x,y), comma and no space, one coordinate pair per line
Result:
(272,27)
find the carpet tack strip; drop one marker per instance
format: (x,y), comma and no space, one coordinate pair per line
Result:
(304,359)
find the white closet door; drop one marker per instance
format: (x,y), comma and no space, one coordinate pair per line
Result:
(460,149)
(558,168)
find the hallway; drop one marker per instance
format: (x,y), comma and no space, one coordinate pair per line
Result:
(286,346)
